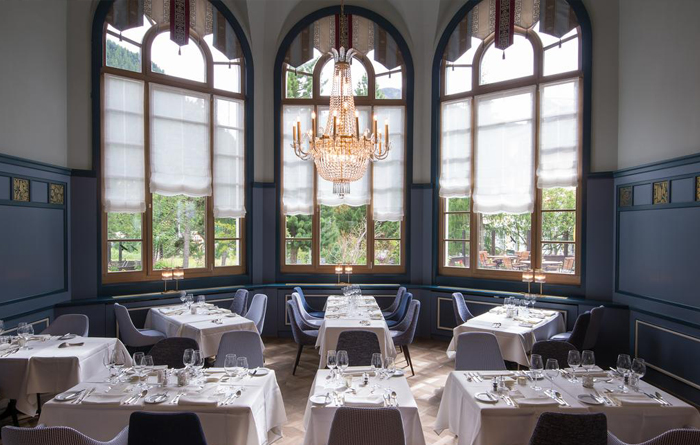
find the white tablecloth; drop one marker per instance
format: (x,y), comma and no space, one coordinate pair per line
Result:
(331,328)
(514,340)
(477,423)
(48,369)
(318,419)
(199,327)
(255,418)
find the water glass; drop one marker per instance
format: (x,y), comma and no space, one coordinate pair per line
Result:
(390,365)
(551,370)
(343,361)
(332,361)
(574,361)
(230,363)
(242,364)
(536,367)
(639,369)
(197,361)
(624,365)
(137,359)
(187,358)
(201,300)
(587,360)
(377,363)
(147,363)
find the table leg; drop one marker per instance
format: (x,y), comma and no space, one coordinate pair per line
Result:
(11,410)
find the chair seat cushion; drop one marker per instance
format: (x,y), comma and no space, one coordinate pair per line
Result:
(157,335)
(386,313)
(317,314)
(564,336)
(392,323)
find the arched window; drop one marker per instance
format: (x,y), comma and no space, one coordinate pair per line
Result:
(365,228)
(510,149)
(173,145)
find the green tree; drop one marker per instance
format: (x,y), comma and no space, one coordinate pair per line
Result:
(299,251)
(117,56)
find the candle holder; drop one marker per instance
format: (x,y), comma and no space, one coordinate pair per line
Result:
(348,271)
(339,272)
(178,274)
(540,278)
(528,277)
(166,275)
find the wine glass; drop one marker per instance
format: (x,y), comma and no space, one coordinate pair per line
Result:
(574,361)
(343,361)
(201,300)
(587,360)
(376,363)
(138,358)
(624,364)
(108,362)
(230,365)
(536,367)
(242,363)
(551,371)
(183,299)
(639,369)
(197,361)
(147,363)
(390,365)
(187,358)
(332,361)
(189,300)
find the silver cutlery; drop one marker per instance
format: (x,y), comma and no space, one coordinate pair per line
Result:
(507,400)
(598,398)
(66,344)
(82,397)
(177,398)
(661,398)
(654,398)
(394,398)
(560,397)
(138,396)
(610,391)
(469,378)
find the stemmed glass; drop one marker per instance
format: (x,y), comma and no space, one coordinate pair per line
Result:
(639,369)
(197,362)
(242,363)
(377,363)
(536,367)
(187,358)
(624,364)
(331,361)
(201,300)
(183,299)
(25,331)
(343,362)
(390,365)
(551,370)
(146,367)
(587,360)
(230,365)
(189,299)
(574,361)
(138,358)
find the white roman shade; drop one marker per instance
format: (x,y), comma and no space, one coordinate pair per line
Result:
(180,156)
(388,174)
(124,170)
(297,175)
(559,135)
(455,149)
(504,152)
(229,158)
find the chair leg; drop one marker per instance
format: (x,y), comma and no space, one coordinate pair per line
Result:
(296,363)
(11,411)
(408,358)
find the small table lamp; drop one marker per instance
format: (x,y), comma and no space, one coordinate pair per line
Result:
(348,271)
(540,278)
(339,272)
(528,277)
(166,275)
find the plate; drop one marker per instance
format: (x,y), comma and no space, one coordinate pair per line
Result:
(156,399)
(66,396)
(398,373)
(260,372)
(485,397)
(320,399)
(589,399)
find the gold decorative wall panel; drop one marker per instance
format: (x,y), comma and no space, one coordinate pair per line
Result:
(625,198)
(697,188)
(56,194)
(20,189)
(661,193)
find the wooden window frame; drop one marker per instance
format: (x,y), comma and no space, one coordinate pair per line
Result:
(537,79)
(148,273)
(317,101)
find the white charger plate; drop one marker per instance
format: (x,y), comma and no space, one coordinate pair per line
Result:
(320,399)
(588,399)
(260,372)
(67,396)
(485,397)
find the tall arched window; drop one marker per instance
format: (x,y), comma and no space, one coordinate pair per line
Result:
(510,146)
(173,144)
(366,228)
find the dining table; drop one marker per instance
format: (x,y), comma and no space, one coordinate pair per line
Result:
(477,415)
(245,409)
(327,394)
(342,315)
(206,326)
(51,364)
(515,335)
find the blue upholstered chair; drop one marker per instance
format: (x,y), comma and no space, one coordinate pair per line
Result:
(394,304)
(170,351)
(257,310)
(55,435)
(570,429)
(395,318)
(403,333)
(558,350)
(478,351)
(577,336)
(77,324)
(243,344)
(307,307)
(130,335)
(360,346)
(309,321)
(462,313)
(671,437)
(594,326)
(165,428)
(303,336)
(240,302)
(367,426)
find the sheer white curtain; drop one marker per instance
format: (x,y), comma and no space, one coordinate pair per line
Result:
(388,174)
(559,137)
(180,157)
(229,158)
(124,171)
(504,151)
(455,149)
(297,175)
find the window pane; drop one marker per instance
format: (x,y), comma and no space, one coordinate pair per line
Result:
(558,258)
(226,228)
(300,86)
(358,74)
(457,226)
(561,59)
(389,86)
(387,253)
(558,226)
(226,253)
(298,252)
(457,254)
(186,62)
(519,62)
(503,240)
(457,204)
(559,198)
(178,232)
(458,79)
(228,77)
(343,235)
(124,226)
(124,256)
(387,229)
(122,55)
(299,226)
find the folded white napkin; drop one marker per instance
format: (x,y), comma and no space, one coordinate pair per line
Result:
(634,399)
(197,400)
(535,401)
(100,398)
(371,400)
(7,346)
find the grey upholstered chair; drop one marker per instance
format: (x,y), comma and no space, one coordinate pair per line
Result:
(404,332)
(132,337)
(367,426)
(240,302)
(303,336)
(478,351)
(165,428)
(394,304)
(55,435)
(306,306)
(360,346)
(591,338)
(395,317)
(671,437)
(257,310)
(462,313)
(243,344)
(570,429)
(558,350)
(77,324)
(577,336)
(170,351)
(309,321)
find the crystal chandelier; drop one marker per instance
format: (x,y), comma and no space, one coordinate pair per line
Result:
(341,154)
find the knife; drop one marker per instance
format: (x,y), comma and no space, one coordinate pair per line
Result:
(85,394)
(660,397)
(653,397)
(558,394)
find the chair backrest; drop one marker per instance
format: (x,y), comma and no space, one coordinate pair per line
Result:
(300,337)
(568,264)
(360,346)
(507,262)
(366,426)
(306,321)
(127,331)
(304,304)
(483,257)
(462,313)
(578,334)
(558,350)
(478,351)
(55,435)
(242,343)
(671,437)
(594,326)
(240,302)
(300,304)
(397,300)
(78,324)
(400,311)
(170,351)
(257,311)
(408,325)
(570,429)
(524,255)
(165,428)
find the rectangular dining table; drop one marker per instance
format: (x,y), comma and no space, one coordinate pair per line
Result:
(206,327)
(515,335)
(48,368)
(368,317)
(318,418)
(633,418)
(254,418)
